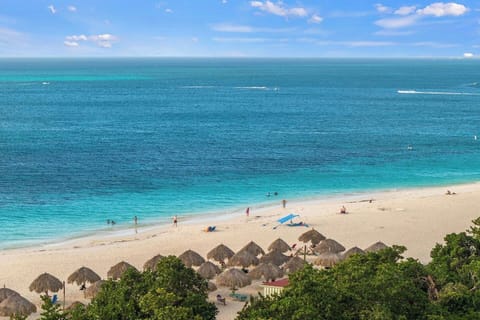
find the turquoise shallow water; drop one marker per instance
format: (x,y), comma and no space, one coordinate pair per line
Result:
(83,141)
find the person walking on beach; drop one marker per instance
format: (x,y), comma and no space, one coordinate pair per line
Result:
(135,220)
(175,221)
(284,203)
(247,212)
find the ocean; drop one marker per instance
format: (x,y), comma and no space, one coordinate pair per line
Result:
(86,140)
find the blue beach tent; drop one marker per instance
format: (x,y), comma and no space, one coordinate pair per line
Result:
(289,218)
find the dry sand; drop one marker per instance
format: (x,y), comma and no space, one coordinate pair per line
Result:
(415,218)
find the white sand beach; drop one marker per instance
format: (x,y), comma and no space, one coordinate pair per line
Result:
(415,218)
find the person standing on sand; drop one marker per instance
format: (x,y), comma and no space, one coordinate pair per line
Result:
(247,212)
(284,203)
(135,220)
(175,220)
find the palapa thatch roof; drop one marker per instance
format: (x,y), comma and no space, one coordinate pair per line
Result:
(191,258)
(83,275)
(5,293)
(16,305)
(92,290)
(294,264)
(312,236)
(352,251)
(211,286)
(268,271)
(152,263)
(220,253)
(46,282)
(119,269)
(208,270)
(233,278)
(243,258)
(279,245)
(253,248)
(328,259)
(328,245)
(377,246)
(275,257)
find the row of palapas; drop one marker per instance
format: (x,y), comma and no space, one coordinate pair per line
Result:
(270,266)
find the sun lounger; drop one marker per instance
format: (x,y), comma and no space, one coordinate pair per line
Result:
(239,297)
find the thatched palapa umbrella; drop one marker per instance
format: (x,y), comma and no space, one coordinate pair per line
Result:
(233,278)
(268,271)
(191,258)
(243,258)
(377,246)
(152,263)
(83,275)
(275,257)
(119,269)
(279,245)
(352,251)
(329,245)
(46,282)
(328,259)
(208,270)
(312,236)
(253,248)
(5,293)
(294,264)
(220,253)
(211,286)
(16,305)
(92,291)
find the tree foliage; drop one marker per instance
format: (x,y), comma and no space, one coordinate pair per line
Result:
(173,292)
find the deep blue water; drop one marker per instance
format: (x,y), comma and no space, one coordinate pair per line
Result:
(83,141)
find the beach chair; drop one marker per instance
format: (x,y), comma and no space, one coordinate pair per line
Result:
(239,297)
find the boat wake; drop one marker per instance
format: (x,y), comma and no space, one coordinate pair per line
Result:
(437,93)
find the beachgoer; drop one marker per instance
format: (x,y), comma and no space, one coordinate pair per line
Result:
(108,221)
(268,194)
(135,220)
(343,209)
(175,221)
(448,192)
(293,246)
(284,203)
(112,223)
(83,287)
(247,212)
(221,299)
(275,193)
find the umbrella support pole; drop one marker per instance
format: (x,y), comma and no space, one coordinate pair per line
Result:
(63,295)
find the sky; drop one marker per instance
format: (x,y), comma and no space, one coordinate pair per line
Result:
(239,28)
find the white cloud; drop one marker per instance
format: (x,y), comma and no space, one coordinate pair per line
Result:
(382,9)
(70,43)
(232,28)
(102,40)
(224,1)
(441,9)
(195,39)
(433,44)
(405,10)
(468,55)
(390,33)
(80,37)
(72,8)
(243,40)
(168,10)
(394,23)
(315,19)
(52,9)
(349,43)
(279,9)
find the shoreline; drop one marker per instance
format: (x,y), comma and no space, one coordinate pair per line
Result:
(223,215)
(417,218)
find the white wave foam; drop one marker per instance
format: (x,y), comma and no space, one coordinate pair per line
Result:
(198,87)
(253,88)
(437,93)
